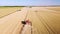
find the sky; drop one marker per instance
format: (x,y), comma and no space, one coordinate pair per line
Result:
(29,2)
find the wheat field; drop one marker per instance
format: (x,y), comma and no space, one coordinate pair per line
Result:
(45,20)
(8,10)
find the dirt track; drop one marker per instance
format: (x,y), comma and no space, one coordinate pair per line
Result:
(44,21)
